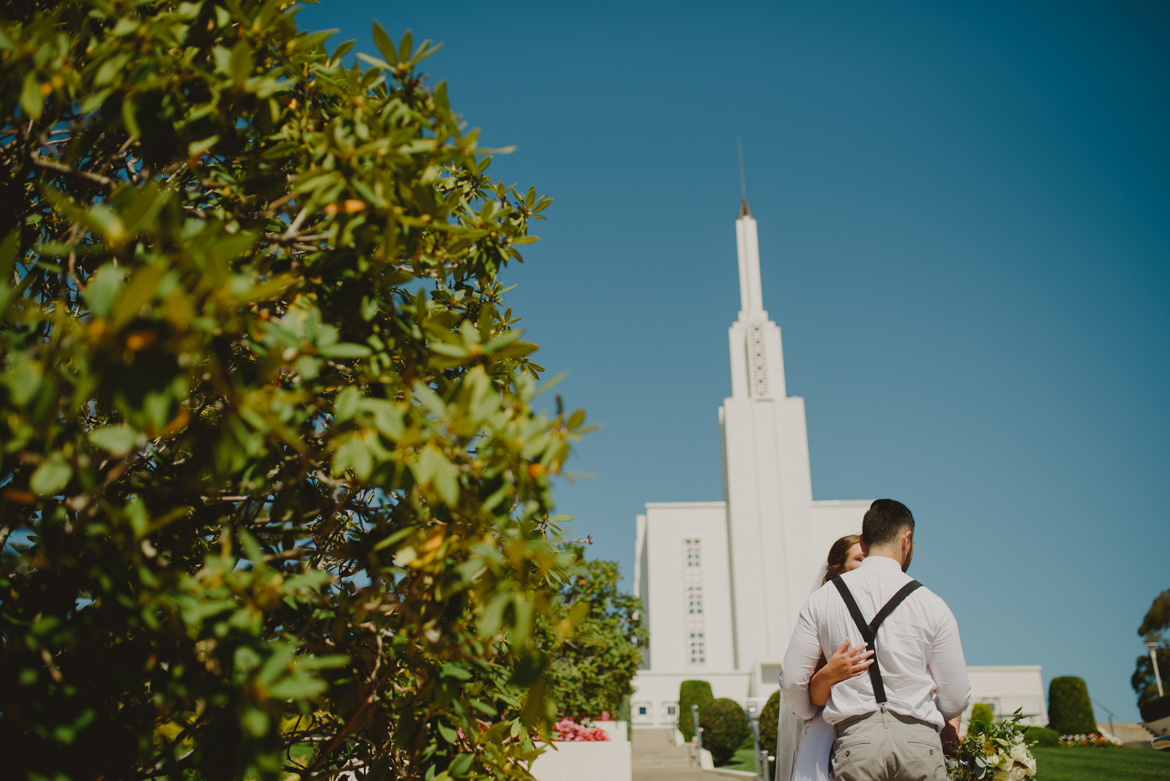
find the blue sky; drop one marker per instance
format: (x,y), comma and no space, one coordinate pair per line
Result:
(964,216)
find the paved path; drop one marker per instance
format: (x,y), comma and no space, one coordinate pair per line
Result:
(656,758)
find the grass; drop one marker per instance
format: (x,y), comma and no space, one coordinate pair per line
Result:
(1094,764)
(744,758)
(1057,764)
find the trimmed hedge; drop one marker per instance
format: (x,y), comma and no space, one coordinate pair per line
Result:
(981,717)
(1070,711)
(691,693)
(725,728)
(1157,708)
(1042,737)
(769,722)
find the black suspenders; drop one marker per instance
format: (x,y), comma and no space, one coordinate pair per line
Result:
(869,631)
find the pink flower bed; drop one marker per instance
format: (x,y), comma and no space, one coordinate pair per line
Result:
(1092,739)
(569,730)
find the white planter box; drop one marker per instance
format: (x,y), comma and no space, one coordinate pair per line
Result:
(615,729)
(586,760)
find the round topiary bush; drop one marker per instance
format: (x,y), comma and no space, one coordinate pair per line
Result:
(769,720)
(981,717)
(769,724)
(1070,711)
(1042,737)
(691,693)
(725,728)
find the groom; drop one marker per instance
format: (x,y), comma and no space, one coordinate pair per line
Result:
(887,722)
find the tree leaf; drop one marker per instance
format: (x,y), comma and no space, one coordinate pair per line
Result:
(118,440)
(384,44)
(240,64)
(51,476)
(31,99)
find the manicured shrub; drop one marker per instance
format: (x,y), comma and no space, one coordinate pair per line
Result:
(1070,711)
(769,721)
(725,728)
(1042,737)
(981,717)
(1158,708)
(691,693)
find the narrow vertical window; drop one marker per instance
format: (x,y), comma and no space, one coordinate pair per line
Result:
(693,586)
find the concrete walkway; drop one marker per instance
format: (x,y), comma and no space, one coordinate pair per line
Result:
(656,758)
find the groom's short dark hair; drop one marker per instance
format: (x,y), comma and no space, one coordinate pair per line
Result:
(884,521)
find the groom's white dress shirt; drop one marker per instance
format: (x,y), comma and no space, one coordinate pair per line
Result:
(920,634)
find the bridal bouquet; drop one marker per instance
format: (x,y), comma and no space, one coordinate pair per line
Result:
(995,752)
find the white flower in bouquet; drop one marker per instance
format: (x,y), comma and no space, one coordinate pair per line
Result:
(1020,753)
(1006,761)
(1030,763)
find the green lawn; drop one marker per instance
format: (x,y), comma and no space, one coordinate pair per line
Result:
(1097,764)
(744,759)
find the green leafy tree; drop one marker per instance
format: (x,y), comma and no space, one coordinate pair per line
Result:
(1154,629)
(599,634)
(274,490)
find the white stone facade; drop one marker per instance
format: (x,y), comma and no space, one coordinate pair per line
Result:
(723,582)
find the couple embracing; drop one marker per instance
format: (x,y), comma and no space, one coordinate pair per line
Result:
(874,666)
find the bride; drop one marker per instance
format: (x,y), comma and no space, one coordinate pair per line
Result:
(802,751)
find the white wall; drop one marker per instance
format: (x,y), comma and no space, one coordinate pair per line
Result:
(667,526)
(1007,687)
(657,692)
(585,761)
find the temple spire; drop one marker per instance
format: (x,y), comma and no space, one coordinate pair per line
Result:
(744,209)
(751,296)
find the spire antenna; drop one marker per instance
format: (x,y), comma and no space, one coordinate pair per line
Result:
(744,209)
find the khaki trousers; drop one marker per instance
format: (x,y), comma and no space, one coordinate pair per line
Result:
(883,746)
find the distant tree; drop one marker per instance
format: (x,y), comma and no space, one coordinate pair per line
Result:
(599,634)
(274,491)
(1154,627)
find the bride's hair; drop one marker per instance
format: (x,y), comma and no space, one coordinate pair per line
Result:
(838,555)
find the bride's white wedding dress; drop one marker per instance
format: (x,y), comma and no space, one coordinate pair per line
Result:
(812,761)
(802,748)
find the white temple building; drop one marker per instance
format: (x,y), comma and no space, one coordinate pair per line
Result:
(722,582)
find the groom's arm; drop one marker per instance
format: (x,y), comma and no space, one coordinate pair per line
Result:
(948,668)
(800,662)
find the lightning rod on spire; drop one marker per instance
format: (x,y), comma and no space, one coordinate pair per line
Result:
(744,209)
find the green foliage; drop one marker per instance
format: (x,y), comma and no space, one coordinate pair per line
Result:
(1153,629)
(981,717)
(600,635)
(1070,711)
(1042,736)
(1157,708)
(273,485)
(725,728)
(691,693)
(769,725)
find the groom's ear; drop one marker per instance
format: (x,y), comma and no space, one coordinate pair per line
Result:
(864,547)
